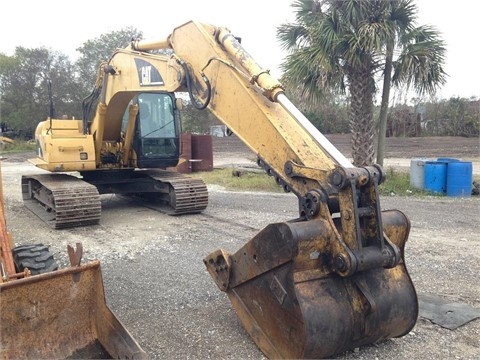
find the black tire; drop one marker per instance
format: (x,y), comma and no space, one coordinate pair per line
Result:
(37,258)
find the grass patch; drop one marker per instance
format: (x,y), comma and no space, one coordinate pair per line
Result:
(247,181)
(396,183)
(17,146)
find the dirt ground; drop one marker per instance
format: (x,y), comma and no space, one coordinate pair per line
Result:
(156,283)
(398,151)
(396,147)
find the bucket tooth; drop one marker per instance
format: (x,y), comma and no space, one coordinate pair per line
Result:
(283,287)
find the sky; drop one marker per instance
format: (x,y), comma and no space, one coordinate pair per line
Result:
(64,26)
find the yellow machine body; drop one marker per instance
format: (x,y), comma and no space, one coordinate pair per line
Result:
(61,146)
(129,146)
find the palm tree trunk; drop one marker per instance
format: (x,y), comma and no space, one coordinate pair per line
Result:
(361,118)
(382,124)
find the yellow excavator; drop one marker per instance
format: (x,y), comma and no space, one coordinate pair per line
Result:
(130,147)
(332,279)
(52,313)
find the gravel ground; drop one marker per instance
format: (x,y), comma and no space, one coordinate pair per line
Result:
(157,285)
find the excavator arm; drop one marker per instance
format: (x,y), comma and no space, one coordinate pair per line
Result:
(334,278)
(245,97)
(253,105)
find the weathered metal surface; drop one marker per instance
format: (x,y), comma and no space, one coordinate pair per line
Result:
(61,200)
(446,313)
(57,314)
(185,165)
(202,151)
(7,267)
(288,296)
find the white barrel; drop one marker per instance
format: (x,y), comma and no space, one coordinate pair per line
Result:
(417,172)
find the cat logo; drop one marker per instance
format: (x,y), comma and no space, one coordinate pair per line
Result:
(148,75)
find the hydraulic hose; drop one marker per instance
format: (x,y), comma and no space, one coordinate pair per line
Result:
(194,101)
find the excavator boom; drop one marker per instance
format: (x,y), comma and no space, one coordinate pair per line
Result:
(335,277)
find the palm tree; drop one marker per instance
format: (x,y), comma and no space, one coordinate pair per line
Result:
(419,63)
(341,46)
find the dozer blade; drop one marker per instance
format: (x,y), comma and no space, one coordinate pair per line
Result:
(293,305)
(62,314)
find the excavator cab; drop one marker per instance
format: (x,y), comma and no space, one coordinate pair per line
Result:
(156,140)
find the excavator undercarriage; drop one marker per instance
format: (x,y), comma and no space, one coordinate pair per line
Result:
(61,200)
(65,201)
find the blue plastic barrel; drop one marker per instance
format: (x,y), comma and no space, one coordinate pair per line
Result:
(459,179)
(447,159)
(435,177)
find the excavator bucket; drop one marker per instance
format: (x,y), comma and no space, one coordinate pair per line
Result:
(62,314)
(293,306)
